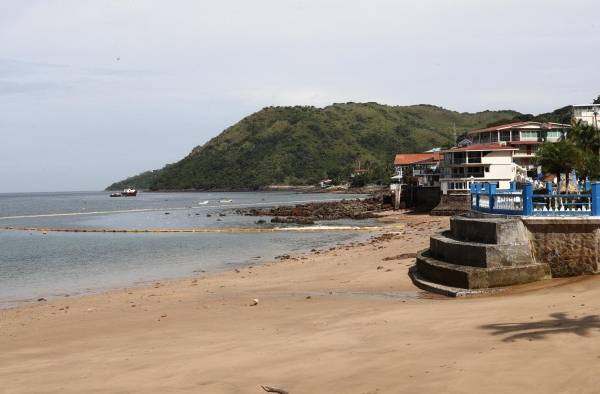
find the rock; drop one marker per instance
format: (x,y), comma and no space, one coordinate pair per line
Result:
(42,299)
(167,213)
(261,221)
(208,215)
(380,267)
(254,302)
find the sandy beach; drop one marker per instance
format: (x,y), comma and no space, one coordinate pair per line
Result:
(347,320)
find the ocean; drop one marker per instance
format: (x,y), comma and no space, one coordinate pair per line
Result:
(34,264)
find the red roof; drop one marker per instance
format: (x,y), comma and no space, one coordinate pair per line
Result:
(481,147)
(404,159)
(516,125)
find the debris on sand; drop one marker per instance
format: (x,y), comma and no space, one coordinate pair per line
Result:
(400,257)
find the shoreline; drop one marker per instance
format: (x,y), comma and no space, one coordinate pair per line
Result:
(381,228)
(330,227)
(346,319)
(388,229)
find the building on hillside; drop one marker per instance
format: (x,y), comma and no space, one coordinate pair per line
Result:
(525,137)
(587,113)
(492,163)
(423,166)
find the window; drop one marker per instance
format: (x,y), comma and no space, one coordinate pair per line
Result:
(529,135)
(515,135)
(493,136)
(553,134)
(474,157)
(459,158)
(505,136)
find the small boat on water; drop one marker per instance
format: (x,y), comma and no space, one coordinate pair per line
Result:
(203,202)
(226,201)
(129,192)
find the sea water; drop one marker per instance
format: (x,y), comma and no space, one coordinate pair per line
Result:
(35,264)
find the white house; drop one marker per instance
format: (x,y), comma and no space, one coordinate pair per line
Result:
(587,113)
(492,163)
(525,137)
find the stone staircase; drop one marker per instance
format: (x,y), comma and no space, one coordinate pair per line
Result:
(479,253)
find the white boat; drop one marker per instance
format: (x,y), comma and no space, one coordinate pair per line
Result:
(129,192)
(203,202)
(226,201)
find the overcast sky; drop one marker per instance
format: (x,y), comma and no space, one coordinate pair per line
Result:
(94,91)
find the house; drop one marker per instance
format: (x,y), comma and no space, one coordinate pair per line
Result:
(325,183)
(492,163)
(423,166)
(525,137)
(587,113)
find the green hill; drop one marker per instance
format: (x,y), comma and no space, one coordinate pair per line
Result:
(302,145)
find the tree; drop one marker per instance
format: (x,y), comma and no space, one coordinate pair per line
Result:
(558,158)
(597,100)
(587,140)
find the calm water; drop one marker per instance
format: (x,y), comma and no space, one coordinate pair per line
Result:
(35,265)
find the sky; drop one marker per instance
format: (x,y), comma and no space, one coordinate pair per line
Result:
(94,91)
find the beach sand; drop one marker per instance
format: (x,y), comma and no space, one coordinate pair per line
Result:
(340,321)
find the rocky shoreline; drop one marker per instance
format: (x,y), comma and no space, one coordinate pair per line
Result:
(356,209)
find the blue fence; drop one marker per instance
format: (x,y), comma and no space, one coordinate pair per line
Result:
(487,198)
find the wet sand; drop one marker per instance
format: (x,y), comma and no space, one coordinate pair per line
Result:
(347,320)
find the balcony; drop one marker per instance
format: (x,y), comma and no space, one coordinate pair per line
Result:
(419,172)
(523,154)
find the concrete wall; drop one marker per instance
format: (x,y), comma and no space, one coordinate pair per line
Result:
(569,246)
(421,197)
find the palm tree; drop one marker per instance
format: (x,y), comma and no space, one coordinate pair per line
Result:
(558,158)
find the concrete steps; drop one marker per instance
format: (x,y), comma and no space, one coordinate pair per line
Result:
(479,253)
(475,254)
(467,277)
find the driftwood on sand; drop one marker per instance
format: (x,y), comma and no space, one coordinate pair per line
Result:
(274,390)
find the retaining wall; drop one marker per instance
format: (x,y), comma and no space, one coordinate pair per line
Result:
(569,246)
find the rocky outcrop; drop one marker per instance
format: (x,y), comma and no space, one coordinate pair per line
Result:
(330,210)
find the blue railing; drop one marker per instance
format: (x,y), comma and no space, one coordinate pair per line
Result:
(488,199)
